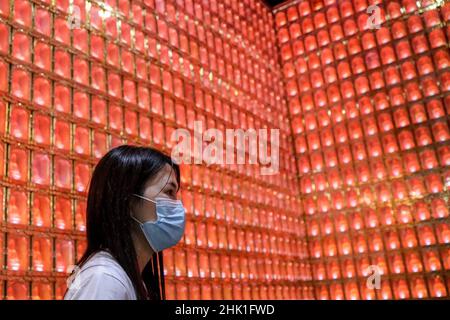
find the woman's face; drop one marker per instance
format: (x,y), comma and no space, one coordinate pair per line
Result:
(163,185)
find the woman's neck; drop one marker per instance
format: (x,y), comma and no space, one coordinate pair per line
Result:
(143,259)
(143,251)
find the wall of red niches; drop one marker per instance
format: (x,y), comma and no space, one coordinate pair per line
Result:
(370,119)
(364,152)
(69,95)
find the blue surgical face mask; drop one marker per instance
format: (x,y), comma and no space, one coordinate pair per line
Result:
(168,228)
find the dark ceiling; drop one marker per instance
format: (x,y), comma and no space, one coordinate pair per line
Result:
(273,3)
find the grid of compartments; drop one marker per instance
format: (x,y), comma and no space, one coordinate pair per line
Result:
(369,110)
(132,72)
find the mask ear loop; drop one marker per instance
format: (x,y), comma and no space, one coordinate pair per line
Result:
(145,198)
(161,272)
(156,275)
(132,217)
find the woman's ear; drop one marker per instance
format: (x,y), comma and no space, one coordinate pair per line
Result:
(134,206)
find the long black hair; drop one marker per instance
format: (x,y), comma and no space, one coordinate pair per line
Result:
(124,171)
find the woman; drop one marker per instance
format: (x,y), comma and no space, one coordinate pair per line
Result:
(132,215)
